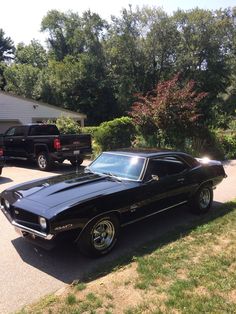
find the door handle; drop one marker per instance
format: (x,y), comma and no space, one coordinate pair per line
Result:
(181,180)
(11,139)
(23,140)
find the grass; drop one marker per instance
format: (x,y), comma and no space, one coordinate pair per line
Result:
(189,272)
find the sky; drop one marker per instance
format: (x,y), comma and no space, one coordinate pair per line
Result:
(20,20)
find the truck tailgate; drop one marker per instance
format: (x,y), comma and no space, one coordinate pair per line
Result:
(72,142)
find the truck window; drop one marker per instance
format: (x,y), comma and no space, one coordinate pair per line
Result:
(47,129)
(19,131)
(10,132)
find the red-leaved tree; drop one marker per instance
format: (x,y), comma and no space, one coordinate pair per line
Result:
(171,108)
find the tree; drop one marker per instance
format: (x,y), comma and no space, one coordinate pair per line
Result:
(6,47)
(23,80)
(161,40)
(125,58)
(70,34)
(78,85)
(172,108)
(33,54)
(202,53)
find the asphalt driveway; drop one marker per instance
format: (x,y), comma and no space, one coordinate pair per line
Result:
(28,272)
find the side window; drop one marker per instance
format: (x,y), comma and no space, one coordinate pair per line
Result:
(19,131)
(10,132)
(164,166)
(156,167)
(174,165)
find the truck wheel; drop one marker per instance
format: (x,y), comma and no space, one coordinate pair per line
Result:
(43,161)
(79,161)
(100,236)
(202,200)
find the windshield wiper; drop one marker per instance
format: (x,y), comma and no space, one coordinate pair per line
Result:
(88,170)
(112,175)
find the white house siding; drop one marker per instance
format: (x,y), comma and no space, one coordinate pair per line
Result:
(26,111)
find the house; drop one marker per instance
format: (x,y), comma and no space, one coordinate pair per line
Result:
(16,110)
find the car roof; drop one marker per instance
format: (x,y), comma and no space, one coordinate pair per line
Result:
(146,152)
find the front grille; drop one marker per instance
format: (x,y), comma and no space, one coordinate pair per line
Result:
(25,218)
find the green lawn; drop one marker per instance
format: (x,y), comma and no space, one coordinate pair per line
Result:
(192,272)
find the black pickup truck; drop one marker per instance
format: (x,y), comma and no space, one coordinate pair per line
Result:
(45,144)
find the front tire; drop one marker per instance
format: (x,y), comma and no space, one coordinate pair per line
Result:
(202,200)
(100,236)
(44,162)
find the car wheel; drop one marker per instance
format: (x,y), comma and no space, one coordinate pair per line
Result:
(100,236)
(43,161)
(74,162)
(202,200)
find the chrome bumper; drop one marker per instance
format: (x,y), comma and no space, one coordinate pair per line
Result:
(21,228)
(33,232)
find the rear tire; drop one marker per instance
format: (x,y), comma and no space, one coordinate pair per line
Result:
(100,236)
(202,200)
(44,161)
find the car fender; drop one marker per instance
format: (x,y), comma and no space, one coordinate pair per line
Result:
(112,212)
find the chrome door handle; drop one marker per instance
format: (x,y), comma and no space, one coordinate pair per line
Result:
(23,140)
(181,180)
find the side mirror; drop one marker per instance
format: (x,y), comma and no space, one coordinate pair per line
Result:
(155,177)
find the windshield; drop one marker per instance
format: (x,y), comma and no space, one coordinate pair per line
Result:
(122,166)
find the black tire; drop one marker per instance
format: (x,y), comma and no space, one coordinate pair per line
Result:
(79,161)
(44,162)
(100,236)
(202,200)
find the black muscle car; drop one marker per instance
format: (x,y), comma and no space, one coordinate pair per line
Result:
(118,188)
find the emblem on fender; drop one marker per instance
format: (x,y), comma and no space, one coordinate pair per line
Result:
(63,227)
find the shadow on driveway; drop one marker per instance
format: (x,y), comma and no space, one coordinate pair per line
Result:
(5,180)
(59,168)
(66,264)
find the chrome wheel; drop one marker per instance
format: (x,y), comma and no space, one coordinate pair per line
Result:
(42,161)
(103,235)
(205,198)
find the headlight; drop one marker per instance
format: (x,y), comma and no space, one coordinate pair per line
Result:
(6,204)
(43,223)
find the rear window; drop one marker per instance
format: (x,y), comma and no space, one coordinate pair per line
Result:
(44,130)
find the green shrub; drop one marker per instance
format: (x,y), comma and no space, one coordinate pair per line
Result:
(114,134)
(67,125)
(228,143)
(90,129)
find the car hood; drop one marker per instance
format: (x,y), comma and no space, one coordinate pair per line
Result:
(69,188)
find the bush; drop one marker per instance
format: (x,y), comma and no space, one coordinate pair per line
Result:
(228,144)
(90,129)
(216,144)
(67,125)
(114,134)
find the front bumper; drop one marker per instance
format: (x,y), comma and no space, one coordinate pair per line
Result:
(26,230)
